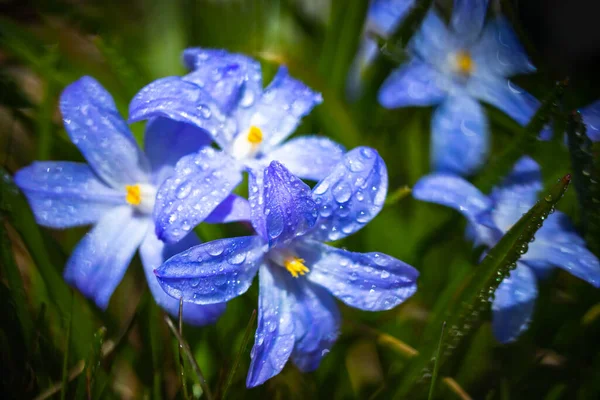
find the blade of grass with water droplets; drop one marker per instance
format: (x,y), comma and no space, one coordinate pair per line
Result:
(499,166)
(586,179)
(465,313)
(238,358)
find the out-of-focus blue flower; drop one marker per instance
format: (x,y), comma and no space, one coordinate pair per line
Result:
(115,191)
(223,95)
(298,318)
(383,17)
(591,118)
(490,217)
(452,67)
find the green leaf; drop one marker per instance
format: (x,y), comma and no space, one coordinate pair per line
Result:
(436,363)
(465,313)
(586,179)
(500,165)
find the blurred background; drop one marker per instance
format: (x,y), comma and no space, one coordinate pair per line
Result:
(128,351)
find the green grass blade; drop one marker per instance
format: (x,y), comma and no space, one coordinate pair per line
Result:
(436,365)
(181,359)
(238,358)
(586,179)
(465,314)
(65,374)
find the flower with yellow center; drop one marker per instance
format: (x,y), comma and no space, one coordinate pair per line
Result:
(295,266)
(464,63)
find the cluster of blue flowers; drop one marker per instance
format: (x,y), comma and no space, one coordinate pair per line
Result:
(205,129)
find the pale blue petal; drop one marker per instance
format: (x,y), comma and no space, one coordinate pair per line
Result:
(234,208)
(386,15)
(558,245)
(316,323)
(153,253)
(279,111)
(433,41)
(274,338)
(506,96)
(498,52)
(213,272)
(516,194)
(101,258)
(351,195)
(183,101)
(459,136)
(230,79)
(64,194)
(289,208)
(369,281)
(198,185)
(167,140)
(413,84)
(591,118)
(454,192)
(513,304)
(308,157)
(256,198)
(94,125)
(468,17)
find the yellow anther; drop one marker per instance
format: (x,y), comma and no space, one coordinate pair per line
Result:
(134,195)
(255,135)
(295,266)
(464,63)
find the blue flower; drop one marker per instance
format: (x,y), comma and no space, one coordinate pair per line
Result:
(115,191)
(223,95)
(556,243)
(454,66)
(298,318)
(591,118)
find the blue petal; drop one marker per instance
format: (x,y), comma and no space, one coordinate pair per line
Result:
(506,96)
(557,244)
(166,141)
(101,258)
(234,208)
(369,281)
(516,194)
(498,52)
(386,15)
(228,77)
(278,112)
(591,118)
(288,205)
(513,304)
(182,101)
(454,192)
(64,194)
(351,195)
(460,137)
(308,157)
(274,338)
(153,253)
(256,198)
(199,184)
(413,84)
(103,137)
(213,272)
(468,17)
(316,323)
(433,42)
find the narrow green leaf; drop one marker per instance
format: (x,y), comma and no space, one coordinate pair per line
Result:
(500,165)
(181,360)
(397,195)
(45,113)
(94,361)
(65,375)
(191,359)
(436,365)
(238,358)
(586,179)
(465,314)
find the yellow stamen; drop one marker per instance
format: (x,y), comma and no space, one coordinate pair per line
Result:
(134,195)
(295,266)
(255,135)
(464,63)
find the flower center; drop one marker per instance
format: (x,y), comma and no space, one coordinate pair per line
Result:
(464,62)
(141,196)
(246,145)
(295,266)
